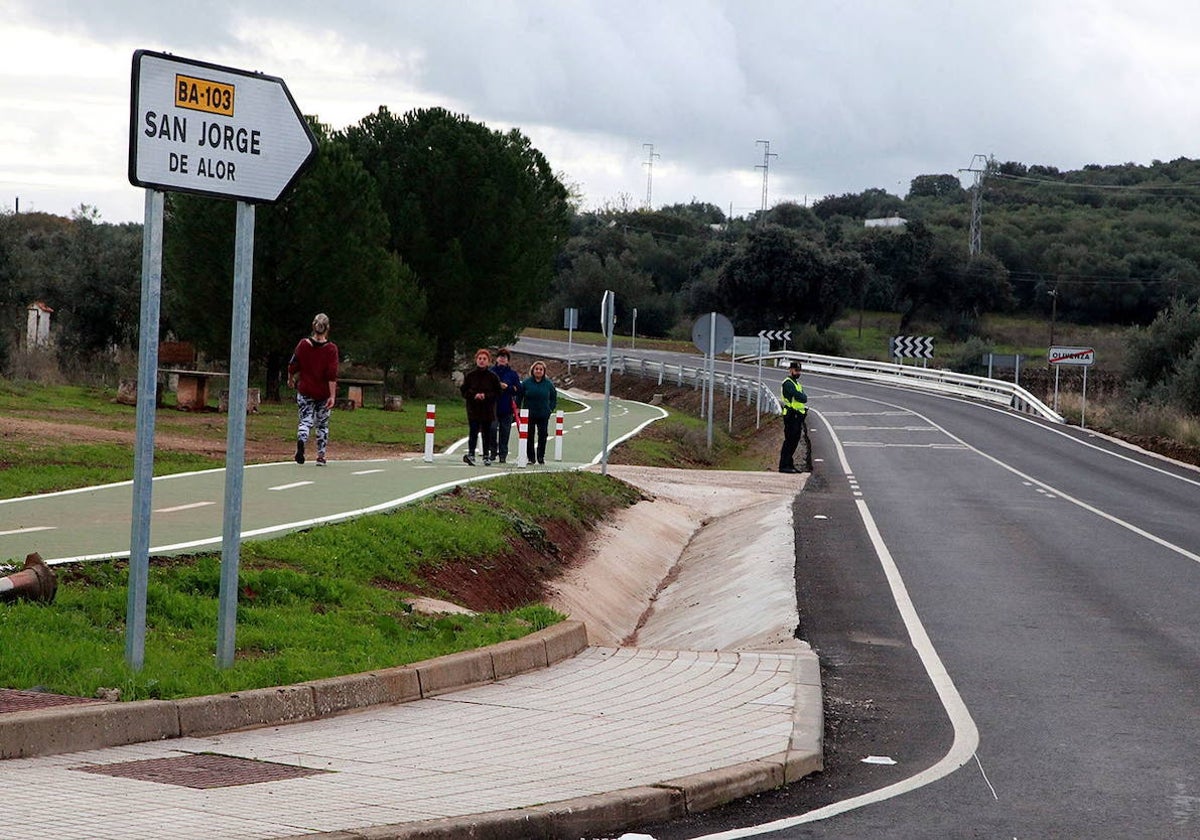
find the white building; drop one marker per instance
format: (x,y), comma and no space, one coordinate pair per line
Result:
(37,330)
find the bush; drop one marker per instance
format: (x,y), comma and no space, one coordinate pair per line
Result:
(826,343)
(968,356)
(1162,361)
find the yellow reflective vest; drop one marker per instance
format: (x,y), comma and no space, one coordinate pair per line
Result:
(794,398)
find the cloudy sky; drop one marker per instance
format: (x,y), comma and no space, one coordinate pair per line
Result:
(851,94)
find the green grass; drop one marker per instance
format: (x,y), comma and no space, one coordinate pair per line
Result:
(328,601)
(30,469)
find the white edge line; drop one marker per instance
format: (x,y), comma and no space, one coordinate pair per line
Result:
(612,445)
(287,526)
(32,529)
(1049,488)
(966,733)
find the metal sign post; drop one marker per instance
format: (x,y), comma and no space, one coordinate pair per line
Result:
(607,323)
(235,448)
(143,453)
(712,334)
(570,324)
(219,131)
(769,335)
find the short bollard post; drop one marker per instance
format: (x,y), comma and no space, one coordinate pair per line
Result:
(522,436)
(558,435)
(430,411)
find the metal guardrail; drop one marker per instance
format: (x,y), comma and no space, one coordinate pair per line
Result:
(742,387)
(993,391)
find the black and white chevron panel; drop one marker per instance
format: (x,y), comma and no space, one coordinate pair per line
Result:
(775,335)
(911,347)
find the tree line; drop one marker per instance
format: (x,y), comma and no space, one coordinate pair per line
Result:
(426,235)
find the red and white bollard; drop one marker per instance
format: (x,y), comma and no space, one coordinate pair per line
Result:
(522,436)
(558,434)
(430,422)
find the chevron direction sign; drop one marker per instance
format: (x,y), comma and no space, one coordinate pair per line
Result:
(911,347)
(775,335)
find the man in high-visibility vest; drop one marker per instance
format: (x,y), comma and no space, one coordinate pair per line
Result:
(795,414)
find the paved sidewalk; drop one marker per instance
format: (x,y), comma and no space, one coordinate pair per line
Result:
(607,737)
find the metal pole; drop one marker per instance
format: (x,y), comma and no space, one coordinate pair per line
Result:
(712,370)
(609,307)
(758,392)
(1083,408)
(143,453)
(235,449)
(732,388)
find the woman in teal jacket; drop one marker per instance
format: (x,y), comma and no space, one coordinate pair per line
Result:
(538,395)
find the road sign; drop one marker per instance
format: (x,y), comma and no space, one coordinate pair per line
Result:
(702,332)
(1072,356)
(775,335)
(608,313)
(570,318)
(202,128)
(911,346)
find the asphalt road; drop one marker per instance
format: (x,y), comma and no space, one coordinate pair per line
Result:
(1009,611)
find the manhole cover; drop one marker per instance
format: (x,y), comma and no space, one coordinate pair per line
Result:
(13,700)
(202,771)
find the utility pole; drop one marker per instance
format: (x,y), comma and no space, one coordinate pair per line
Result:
(975,246)
(649,164)
(765,166)
(1053,310)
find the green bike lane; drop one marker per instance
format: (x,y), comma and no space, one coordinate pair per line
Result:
(94,523)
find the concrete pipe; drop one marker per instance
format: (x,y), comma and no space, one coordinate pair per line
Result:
(35,582)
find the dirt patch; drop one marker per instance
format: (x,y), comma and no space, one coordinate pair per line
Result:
(54,433)
(511,579)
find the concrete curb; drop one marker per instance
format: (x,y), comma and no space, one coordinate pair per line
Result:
(76,728)
(623,810)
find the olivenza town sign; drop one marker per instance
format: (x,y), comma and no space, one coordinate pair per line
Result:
(202,128)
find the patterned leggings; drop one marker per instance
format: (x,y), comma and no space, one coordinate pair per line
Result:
(313,413)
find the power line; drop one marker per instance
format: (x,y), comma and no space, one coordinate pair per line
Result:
(1050,182)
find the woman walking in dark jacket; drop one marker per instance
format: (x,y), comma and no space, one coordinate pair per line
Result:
(539,396)
(481,388)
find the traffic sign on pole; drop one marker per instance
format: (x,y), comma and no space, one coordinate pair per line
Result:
(1072,356)
(203,128)
(713,333)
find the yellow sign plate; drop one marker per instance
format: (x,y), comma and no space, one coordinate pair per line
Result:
(204,95)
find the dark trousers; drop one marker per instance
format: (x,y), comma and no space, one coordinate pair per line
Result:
(503,430)
(794,428)
(536,453)
(479,428)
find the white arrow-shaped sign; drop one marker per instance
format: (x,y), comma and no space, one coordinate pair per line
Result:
(202,128)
